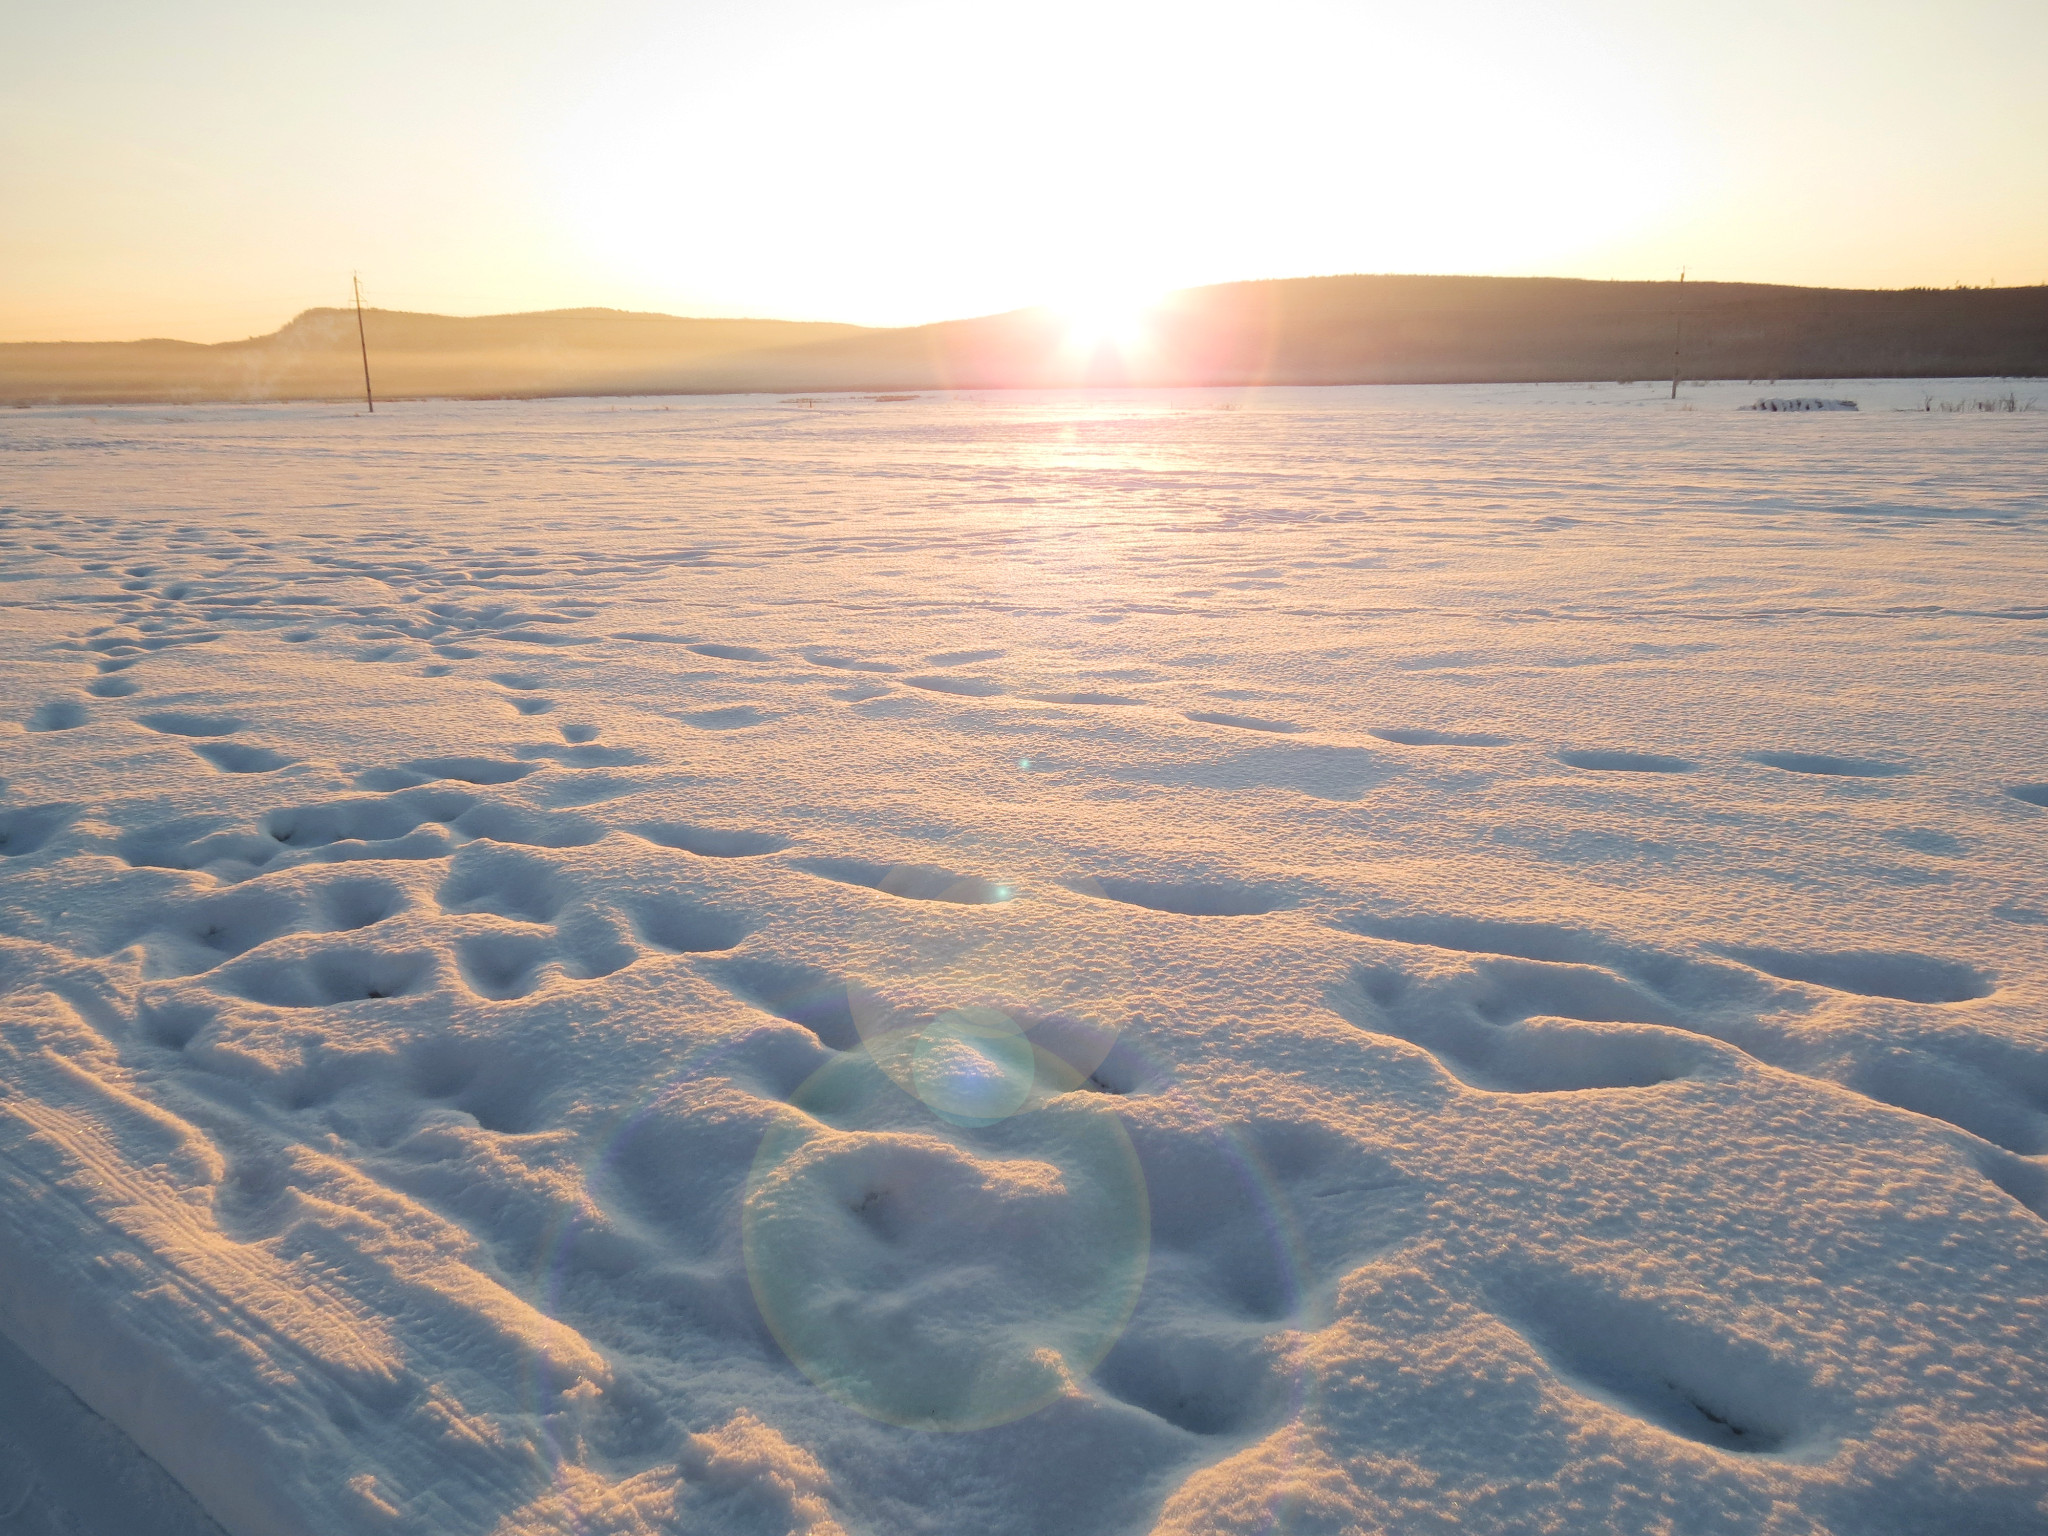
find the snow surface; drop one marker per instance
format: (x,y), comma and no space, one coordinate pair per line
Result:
(1411,959)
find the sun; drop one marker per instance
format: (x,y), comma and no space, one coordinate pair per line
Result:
(1113,319)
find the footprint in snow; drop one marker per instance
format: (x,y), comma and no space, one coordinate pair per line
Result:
(1105,700)
(236,757)
(799,993)
(56,715)
(730,717)
(962,658)
(1245,722)
(731,652)
(711,842)
(190,937)
(525,887)
(1184,898)
(178,722)
(1219,1281)
(848,663)
(1507,1025)
(1897,974)
(497,1087)
(382,820)
(501,966)
(911,882)
(685,927)
(962,687)
(1660,1362)
(27,828)
(1432,738)
(1601,760)
(1829,766)
(1548,1008)
(329,978)
(424,770)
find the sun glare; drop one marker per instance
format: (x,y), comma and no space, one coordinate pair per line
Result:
(1114,320)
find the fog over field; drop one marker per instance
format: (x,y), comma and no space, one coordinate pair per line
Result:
(1310,330)
(1387,959)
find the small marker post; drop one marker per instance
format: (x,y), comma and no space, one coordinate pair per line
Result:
(1677,335)
(363,342)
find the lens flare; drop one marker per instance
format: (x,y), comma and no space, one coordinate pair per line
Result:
(973,1066)
(975,1049)
(941,1270)
(1116,321)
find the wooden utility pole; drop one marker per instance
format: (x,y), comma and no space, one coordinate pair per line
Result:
(1677,335)
(363,342)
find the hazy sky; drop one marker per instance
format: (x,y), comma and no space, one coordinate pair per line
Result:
(208,168)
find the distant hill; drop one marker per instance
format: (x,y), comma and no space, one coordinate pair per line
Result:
(1319,330)
(315,357)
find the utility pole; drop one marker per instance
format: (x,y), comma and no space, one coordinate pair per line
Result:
(363,342)
(1677,336)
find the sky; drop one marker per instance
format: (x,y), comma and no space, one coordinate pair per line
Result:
(207,169)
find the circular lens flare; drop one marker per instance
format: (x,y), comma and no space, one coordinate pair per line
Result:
(973,1066)
(945,1274)
(941,1231)
(975,1063)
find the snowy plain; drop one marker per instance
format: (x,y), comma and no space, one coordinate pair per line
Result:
(1330,960)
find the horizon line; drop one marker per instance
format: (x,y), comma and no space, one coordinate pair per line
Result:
(1163,295)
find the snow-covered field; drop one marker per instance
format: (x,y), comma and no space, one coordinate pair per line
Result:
(1410,960)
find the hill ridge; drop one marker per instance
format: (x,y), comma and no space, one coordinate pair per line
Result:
(1342,329)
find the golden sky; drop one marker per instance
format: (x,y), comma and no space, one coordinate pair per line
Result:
(206,169)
